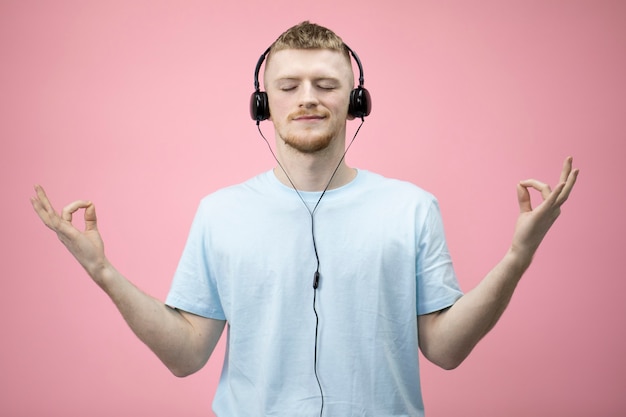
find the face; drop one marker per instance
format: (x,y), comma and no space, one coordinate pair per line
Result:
(308,92)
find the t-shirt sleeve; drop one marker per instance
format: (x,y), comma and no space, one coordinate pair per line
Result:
(437,284)
(194,289)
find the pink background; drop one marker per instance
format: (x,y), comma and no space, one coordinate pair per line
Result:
(142,107)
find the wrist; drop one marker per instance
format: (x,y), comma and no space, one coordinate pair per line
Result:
(102,273)
(519,258)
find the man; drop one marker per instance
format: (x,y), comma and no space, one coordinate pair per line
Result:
(330,278)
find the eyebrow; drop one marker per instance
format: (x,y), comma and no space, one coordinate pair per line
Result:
(317,79)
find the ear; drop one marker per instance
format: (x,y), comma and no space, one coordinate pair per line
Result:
(360,102)
(259,107)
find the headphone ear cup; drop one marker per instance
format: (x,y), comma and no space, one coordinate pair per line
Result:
(259,106)
(360,103)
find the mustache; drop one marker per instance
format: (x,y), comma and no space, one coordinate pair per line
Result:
(308,113)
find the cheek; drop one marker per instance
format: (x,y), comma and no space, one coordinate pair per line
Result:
(276,108)
(341,107)
(342,101)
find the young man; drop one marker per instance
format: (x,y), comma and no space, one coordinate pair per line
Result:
(330,278)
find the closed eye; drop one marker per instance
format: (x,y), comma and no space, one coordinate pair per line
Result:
(327,83)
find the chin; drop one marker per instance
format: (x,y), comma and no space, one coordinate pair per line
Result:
(308,145)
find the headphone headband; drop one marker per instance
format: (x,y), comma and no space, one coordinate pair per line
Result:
(258,68)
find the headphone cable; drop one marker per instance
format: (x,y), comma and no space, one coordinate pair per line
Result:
(316,276)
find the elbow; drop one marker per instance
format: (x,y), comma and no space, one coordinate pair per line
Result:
(445,355)
(447,362)
(179,373)
(183,368)
(183,364)
(182,371)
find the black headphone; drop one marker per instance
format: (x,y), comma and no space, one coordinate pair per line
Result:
(360,101)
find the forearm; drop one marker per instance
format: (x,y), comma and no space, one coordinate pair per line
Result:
(164,330)
(447,337)
(453,333)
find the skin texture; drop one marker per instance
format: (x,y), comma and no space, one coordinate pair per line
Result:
(181,340)
(308,92)
(447,337)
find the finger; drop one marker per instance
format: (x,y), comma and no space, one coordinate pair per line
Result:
(72,208)
(542,187)
(567,188)
(523,198)
(91,221)
(43,208)
(42,200)
(549,196)
(567,169)
(552,199)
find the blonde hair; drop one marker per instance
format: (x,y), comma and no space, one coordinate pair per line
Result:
(307,35)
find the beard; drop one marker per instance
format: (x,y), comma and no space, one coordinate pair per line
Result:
(305,143)
(308,140)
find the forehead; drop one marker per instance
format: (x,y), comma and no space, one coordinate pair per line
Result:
(290,63)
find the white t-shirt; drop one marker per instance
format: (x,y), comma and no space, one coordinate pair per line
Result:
(383,260)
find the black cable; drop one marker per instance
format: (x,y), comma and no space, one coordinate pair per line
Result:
(316,276)
(317,378)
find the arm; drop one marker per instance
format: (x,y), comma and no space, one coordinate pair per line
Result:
(448,336)
(182,341)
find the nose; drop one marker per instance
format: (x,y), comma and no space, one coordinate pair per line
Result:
(308,95)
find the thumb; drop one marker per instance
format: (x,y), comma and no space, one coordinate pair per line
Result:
(91,221)
(523,198)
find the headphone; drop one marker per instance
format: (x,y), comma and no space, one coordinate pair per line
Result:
(360,101)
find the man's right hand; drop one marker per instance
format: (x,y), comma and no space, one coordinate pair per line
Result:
(183,341)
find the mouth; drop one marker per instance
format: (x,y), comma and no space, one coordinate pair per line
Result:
(307,117)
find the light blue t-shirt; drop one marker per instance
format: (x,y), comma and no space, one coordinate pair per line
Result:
(383,259)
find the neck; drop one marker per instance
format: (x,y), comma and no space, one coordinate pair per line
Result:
(312,172)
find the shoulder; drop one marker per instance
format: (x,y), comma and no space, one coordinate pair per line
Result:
(255,186)
(392,187)
(256,197)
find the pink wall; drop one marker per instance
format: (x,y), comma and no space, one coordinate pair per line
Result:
(142,107)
